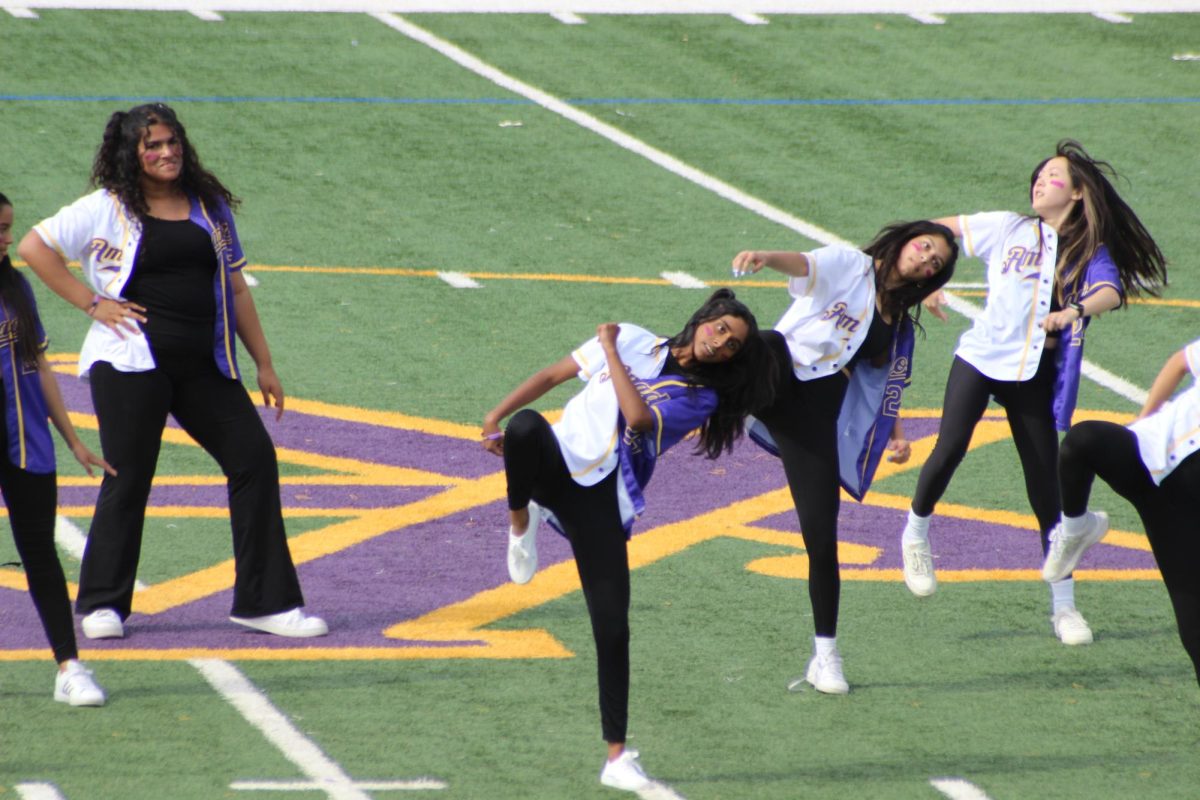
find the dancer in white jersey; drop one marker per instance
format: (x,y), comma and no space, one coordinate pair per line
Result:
(585,474)
(1080,254)
(1154,464)
(844,352)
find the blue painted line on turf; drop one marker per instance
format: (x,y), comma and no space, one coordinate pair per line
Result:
(609,101)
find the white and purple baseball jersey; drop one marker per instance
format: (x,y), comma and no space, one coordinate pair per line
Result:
(1171,434)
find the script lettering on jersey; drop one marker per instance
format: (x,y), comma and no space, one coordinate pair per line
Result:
(1019,257)
(10,332)
(653,396)
(104,252)
(841,319)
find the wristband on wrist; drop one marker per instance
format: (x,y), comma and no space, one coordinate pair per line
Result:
(91,309)
(1078,309)
(491,437)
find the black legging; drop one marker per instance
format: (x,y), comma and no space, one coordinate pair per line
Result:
(591,520)
(803,422)
(1029,408)
(1168,510)
(32,502)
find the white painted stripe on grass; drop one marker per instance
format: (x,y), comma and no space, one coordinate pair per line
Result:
(206,14)
(1113,17)
(750,18)
(684,280)
(674,165)
(458,280)
(568,18)
(615,135)
(633,6)
(417,785)
(38,791)
(928,19)
(254,706)
(21,13)
(959,789)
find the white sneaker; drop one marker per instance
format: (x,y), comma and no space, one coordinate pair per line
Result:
(522,550)
(103,623)
(1065,551)
(295,624)
(825,675)
(624,772)
(918,569)
(1070,627)
(75,686)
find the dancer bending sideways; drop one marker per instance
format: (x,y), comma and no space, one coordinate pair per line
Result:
(1154,463)
(844,351)
(1081,253)
(28,480)
(585,474)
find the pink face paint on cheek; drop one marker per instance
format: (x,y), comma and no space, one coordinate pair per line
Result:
(1058,184)
(151,157)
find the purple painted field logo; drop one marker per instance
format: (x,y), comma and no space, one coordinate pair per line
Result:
(400,542)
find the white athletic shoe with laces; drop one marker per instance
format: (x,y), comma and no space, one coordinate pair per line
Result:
(75,686)
(103,623)
(824,673)
(1066,550)
(624,772)
(522,550)
(294,624)
(1070,627)
(918,569)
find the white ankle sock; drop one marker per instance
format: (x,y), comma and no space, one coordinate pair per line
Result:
(1062,595)
(1073,526)
(916,529)
(824,645)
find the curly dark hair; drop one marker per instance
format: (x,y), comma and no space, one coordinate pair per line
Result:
(118,168)
(905,299)
(743,383)
(1101,217)
(17,297)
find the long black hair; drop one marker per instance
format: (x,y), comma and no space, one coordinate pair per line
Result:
(904,299)
(1101,217)
(743,383)
(118,169)
(17,297)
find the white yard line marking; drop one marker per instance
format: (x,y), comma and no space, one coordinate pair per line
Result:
(749,18)
(420,784)
(38,791)
(928,19)
(684,280)
(1112,16)
(260,712)
(458,280)
(615,135)
(569,18)
(22,13)
(250,279)
(725,7)
(958,789)
(71,538)
(686,171)
(206,14)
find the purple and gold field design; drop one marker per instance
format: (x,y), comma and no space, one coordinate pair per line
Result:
(402,548)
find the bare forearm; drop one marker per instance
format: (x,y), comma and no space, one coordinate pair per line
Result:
(629,399)
(1169,377)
